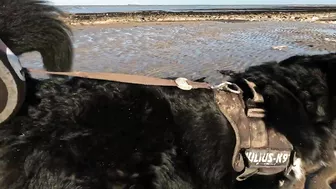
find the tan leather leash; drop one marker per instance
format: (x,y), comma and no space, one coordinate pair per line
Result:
(181,83)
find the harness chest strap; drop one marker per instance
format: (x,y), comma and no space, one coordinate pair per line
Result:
(258,150)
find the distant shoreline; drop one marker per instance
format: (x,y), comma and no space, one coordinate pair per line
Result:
(297,13)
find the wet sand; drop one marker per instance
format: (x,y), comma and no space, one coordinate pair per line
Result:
(192,49)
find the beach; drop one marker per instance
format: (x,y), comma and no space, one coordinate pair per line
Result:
(192,49)
(327,15)
(194,44)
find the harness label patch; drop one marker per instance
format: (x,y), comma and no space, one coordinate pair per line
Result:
(267,158)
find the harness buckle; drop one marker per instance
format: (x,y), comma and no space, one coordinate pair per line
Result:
(289,169)
(256,112)
(248,172)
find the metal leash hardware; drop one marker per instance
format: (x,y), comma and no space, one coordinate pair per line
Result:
(226,85)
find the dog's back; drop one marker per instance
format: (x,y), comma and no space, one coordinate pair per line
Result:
(33,25)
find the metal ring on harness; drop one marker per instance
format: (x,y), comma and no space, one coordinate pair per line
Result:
(227,86)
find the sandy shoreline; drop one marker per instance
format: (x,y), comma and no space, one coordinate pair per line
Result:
(192,49)
(323,15)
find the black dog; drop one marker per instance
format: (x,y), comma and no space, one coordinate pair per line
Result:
(93,134)
(84,133)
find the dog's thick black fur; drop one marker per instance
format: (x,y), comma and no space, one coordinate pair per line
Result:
(91,134)
(83,133)
(32,25)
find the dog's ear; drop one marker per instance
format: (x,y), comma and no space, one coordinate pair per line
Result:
(327,64)
(331,76)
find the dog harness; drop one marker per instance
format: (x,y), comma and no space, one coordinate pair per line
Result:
(258,150)
(12,83)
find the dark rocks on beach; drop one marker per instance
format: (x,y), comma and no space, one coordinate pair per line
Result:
(328,14)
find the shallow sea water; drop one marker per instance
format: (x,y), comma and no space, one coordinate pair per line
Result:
(192,49)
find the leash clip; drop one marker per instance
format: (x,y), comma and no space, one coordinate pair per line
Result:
(228,86)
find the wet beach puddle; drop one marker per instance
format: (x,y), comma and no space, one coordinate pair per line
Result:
(192,49)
